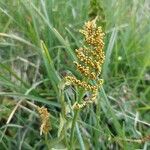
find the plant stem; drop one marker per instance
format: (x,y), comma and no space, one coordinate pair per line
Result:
(46,141)
(75,116)
(73,127)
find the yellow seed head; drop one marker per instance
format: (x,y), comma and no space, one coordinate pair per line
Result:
(45,123)
(90,60)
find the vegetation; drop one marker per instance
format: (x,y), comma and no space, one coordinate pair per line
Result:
(38,42)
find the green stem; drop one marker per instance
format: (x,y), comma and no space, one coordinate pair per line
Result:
(75,116)
(73,127)
(46,141)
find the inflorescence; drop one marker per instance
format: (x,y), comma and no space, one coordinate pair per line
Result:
(90,59)
(45,123)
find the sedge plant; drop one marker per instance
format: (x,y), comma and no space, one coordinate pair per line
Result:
(90,60)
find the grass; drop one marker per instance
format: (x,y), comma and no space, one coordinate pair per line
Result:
(37,47)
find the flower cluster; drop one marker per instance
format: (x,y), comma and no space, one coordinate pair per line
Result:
(90,59)
(44,116)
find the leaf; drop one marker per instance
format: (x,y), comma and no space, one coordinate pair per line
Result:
(62,122)
(52,73)
(29,97)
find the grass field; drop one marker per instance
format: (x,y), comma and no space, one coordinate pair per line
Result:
(38,39)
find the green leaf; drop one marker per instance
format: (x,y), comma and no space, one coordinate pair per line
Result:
(29,97)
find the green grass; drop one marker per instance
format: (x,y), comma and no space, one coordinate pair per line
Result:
(37,47)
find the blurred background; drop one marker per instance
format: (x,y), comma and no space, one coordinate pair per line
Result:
(28,73)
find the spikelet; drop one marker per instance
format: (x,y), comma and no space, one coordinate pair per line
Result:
(44,117)
(90,59)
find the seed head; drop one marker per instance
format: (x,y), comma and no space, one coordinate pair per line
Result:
(45,123)
(90,59)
